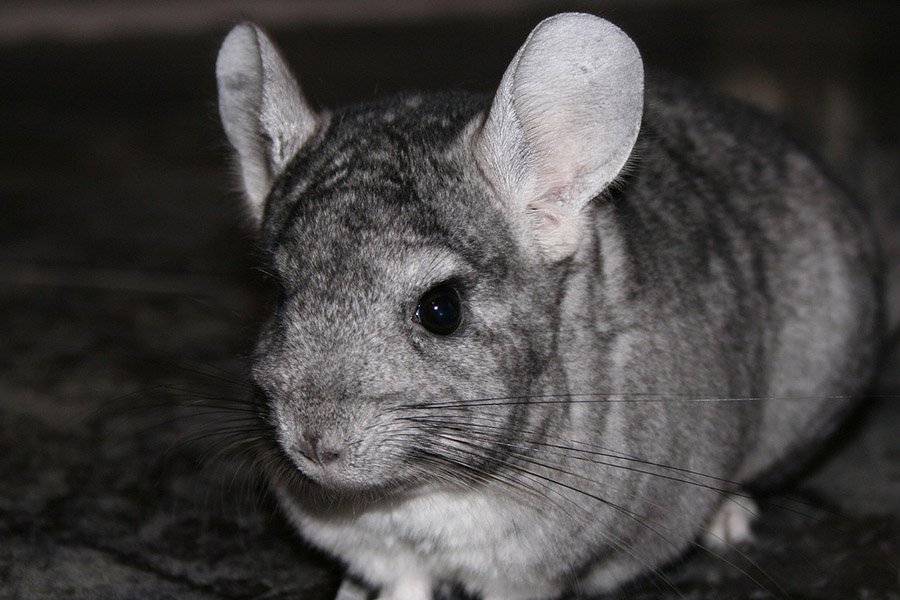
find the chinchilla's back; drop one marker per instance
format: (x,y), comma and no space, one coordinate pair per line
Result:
(729,222)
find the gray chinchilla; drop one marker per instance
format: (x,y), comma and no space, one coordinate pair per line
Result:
(540,342)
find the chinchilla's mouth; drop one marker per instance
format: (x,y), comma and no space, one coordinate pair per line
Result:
(323,494)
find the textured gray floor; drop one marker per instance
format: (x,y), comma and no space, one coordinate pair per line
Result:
(127,288)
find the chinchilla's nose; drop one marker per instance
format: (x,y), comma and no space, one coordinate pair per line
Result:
(319,448)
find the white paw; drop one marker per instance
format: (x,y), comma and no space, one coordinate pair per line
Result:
(409,588)
(351,590)
(731,524)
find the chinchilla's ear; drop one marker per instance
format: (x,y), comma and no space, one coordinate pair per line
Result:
(562,125)
(264,115)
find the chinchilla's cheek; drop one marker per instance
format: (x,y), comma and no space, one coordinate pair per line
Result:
(555,330)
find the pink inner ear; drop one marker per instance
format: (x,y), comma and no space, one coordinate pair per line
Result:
(557,178)
(563,123)
(555,228)
(561,157)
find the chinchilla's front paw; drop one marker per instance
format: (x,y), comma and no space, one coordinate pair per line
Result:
(408,588)
(351,590)
(732,523)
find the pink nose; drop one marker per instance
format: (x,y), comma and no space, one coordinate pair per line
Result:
(318,450)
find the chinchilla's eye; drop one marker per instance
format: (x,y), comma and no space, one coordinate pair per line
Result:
(439,310)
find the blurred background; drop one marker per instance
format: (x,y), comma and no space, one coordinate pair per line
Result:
(127,272)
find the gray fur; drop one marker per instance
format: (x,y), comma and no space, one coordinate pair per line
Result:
(262,111)
(721,265)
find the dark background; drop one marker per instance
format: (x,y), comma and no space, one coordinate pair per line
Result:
(128,289)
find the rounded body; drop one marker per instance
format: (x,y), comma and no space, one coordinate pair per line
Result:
(643,300)
(714,326)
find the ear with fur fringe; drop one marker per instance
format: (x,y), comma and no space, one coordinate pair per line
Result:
(264,115)
(562,125)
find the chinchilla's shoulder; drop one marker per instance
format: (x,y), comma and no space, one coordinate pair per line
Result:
(741,150)
(709,164)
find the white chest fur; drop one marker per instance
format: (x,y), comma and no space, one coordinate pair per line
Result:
(482,540)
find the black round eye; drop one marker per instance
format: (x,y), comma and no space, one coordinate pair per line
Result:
(439,310)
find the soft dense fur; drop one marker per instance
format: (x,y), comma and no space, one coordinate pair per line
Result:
(664,298)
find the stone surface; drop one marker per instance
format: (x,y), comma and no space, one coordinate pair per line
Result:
(128,297)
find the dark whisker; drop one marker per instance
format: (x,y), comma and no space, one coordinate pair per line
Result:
(549,480)
(468,427)
(733,488)
(641,519)
(626,397)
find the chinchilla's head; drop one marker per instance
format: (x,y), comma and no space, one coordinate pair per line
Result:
(420,245)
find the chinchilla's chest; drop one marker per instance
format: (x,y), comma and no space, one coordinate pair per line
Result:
(448,536)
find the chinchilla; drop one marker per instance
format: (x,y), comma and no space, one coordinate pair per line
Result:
(541,341)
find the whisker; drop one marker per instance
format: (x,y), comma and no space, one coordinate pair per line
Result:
(734,548)
(731,487)
(614,542)
(628,397)
(640,518)
(481,476)
(468,427)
